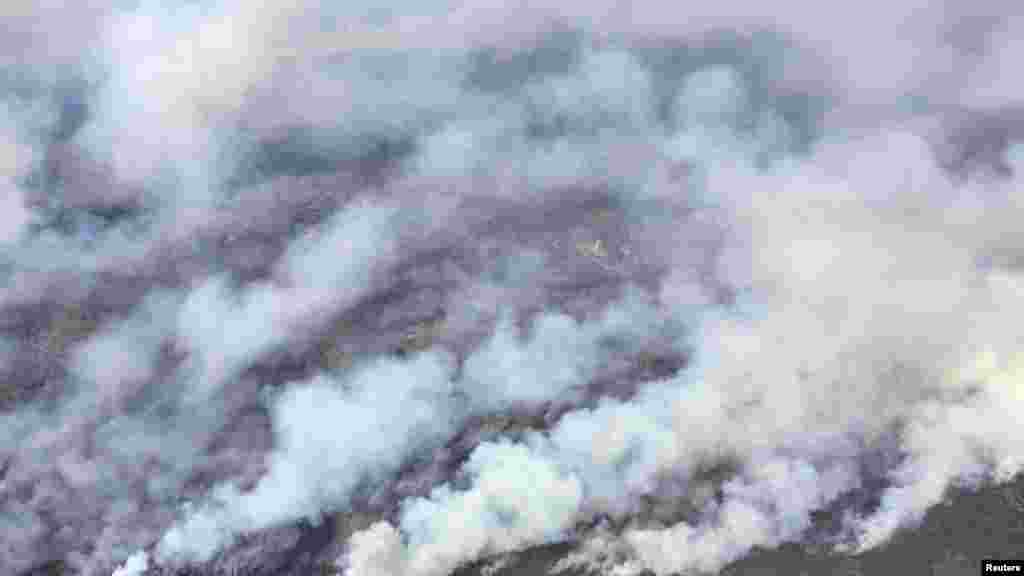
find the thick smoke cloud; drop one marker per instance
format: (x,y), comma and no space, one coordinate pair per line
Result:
(316,467)
(309,470)
(391,289)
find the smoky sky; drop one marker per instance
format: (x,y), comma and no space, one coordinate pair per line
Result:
(391,289)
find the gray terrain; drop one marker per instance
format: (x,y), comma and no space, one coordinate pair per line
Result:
(439,290)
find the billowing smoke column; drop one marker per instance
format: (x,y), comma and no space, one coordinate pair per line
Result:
(386,290)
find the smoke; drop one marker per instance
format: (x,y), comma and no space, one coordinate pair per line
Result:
(789,389)
(326,437)
(395,408)
(401,288)
(516,500)
(321,272)
(137,564)
(810,369)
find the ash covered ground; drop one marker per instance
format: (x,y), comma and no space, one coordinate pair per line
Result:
(496,288)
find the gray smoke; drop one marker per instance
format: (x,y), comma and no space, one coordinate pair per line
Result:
(435,282)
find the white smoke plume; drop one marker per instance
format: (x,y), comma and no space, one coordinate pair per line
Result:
(134,566)
(321,272)
(810,370)
(391,289)
(326,436)
(332,435)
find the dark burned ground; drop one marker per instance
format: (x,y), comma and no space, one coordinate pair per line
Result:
(952,540)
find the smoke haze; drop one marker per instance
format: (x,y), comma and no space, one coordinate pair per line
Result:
(389,290)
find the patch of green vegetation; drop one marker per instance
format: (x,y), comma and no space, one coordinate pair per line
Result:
(51,568)
(421,336)
(332,353)
(67,326)
(325,568)
(650,362)
(8,393)
(346,523)
(334,358)
(512,422)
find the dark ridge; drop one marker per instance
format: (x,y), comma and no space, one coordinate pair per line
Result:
(952,540)
(536,561)
(952,537)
